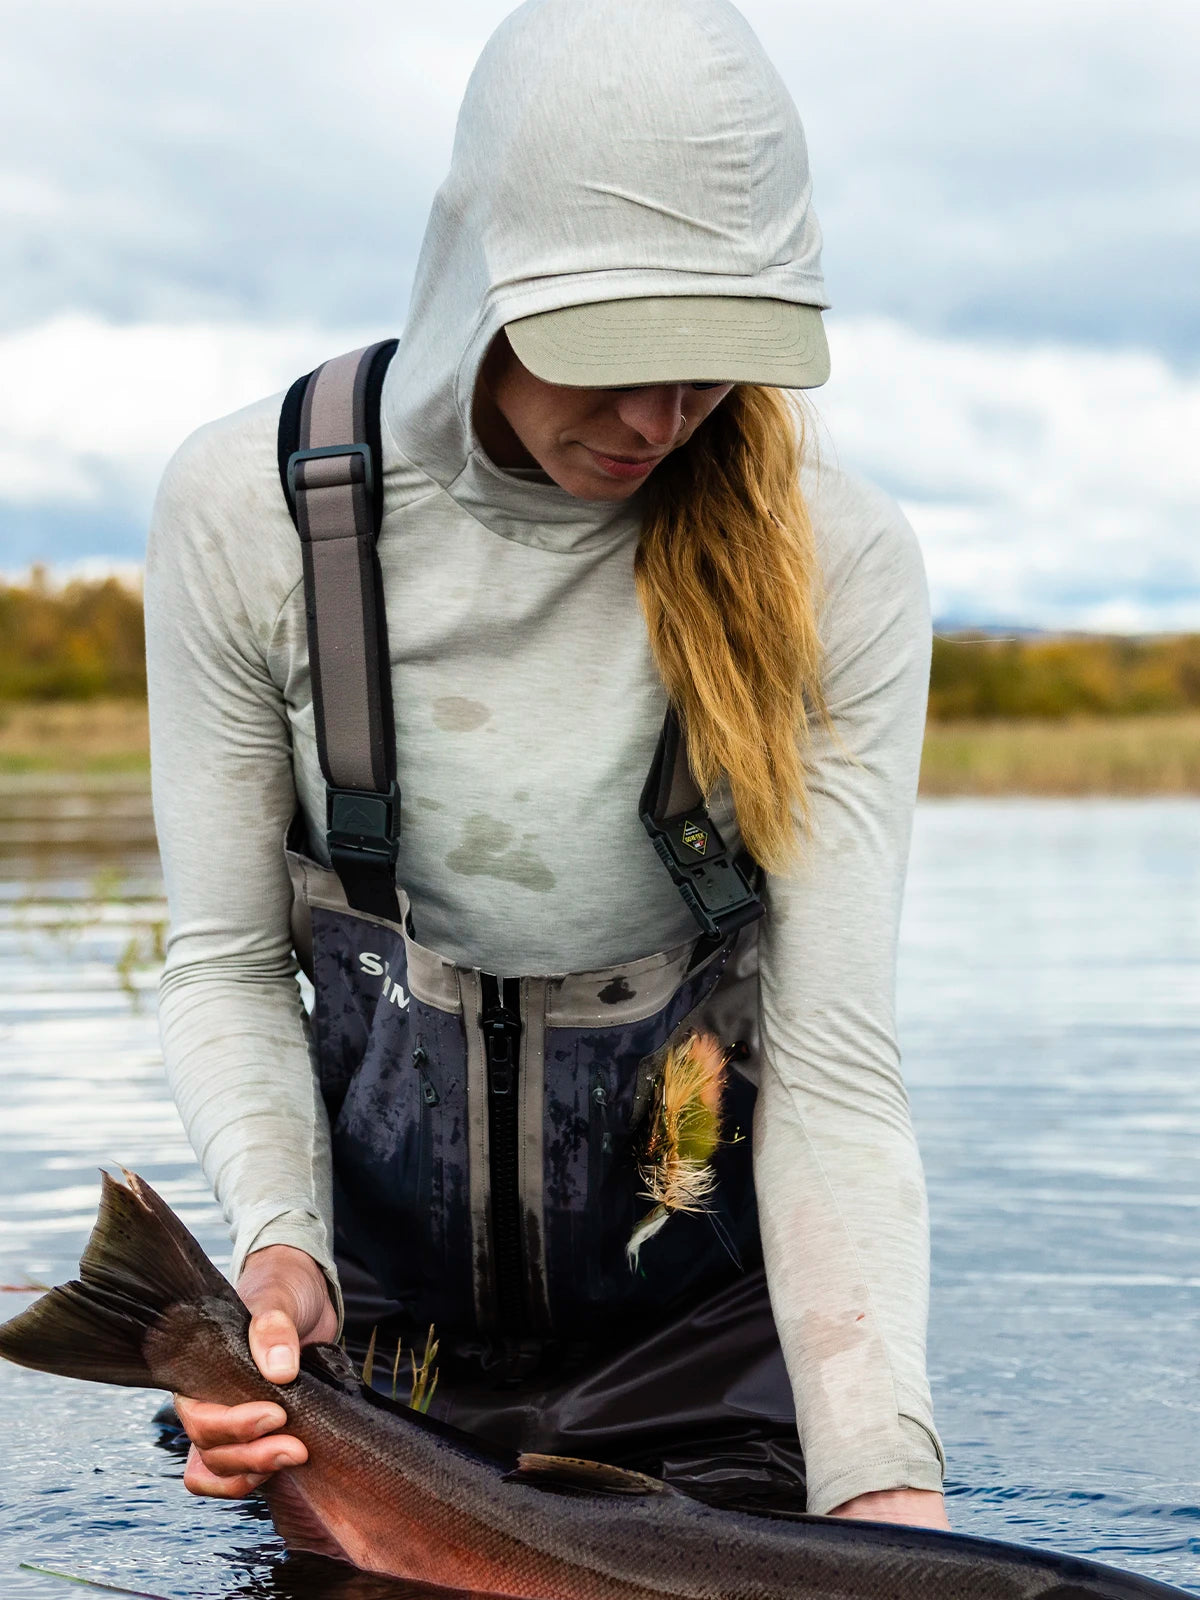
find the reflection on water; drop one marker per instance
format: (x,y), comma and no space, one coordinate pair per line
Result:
(1050,1012)
(54,842)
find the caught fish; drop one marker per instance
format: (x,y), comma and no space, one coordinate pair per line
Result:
(393,1491)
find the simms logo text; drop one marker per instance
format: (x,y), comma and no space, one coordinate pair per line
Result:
(375,967)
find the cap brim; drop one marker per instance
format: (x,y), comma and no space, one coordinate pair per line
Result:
(675,339)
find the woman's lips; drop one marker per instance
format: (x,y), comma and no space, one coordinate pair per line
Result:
(618,467)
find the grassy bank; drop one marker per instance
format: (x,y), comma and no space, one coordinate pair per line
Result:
(1081,756)
(84,736)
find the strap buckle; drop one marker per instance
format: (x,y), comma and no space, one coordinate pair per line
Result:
(719,892)
(364,826)
(329,477)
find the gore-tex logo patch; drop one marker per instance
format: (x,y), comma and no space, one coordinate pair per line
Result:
(375,967)
(695,838)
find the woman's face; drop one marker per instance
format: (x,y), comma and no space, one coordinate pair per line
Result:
(599,444)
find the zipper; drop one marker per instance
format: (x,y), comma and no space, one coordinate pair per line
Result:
(599,1156)
(420,1061)
(500,1024)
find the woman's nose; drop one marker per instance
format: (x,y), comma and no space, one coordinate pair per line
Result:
(655,412)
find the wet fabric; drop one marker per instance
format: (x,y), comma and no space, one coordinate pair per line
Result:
(702,1399)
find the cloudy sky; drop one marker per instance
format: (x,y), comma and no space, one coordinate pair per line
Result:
(201,199)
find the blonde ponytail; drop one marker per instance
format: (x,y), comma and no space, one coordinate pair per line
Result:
(726,574)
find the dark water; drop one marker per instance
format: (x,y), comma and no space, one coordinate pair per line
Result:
(1050,1011)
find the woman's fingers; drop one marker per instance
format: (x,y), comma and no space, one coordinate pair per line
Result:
(199,1478)
(210,1425)
(235,1448)
(275,1345)
(261,1457)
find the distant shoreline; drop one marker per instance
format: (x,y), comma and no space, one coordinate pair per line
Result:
(1139,755)
(1071,757)
(91,737)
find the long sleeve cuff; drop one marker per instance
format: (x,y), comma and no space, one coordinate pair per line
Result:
(920,1466)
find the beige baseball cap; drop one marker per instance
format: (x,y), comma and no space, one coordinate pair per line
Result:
(675,339)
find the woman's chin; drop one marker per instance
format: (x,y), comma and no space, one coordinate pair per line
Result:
(597,485)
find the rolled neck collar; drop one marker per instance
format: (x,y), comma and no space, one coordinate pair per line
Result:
(530,508)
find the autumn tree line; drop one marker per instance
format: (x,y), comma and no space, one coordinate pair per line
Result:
(77,641)
(85,640)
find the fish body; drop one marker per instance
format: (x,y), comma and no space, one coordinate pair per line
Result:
(395,1492)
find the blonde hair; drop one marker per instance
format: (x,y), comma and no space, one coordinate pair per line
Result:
(726,575)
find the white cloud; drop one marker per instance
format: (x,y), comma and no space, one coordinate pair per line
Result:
(90,411)
(1050,485)
(1032,168)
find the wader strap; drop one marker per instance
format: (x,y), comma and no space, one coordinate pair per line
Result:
(330,464)
(719,888)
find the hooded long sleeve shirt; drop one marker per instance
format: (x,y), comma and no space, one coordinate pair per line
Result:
(528,706)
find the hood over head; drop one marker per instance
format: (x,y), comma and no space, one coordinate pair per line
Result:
(606,150)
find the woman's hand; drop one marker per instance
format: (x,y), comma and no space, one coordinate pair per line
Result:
(918,1508)
(234,1448)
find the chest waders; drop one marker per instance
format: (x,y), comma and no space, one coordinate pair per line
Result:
(484,1128)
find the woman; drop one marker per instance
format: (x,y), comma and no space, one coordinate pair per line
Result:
(591,512)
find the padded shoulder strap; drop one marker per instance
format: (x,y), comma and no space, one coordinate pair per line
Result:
(331,471)
(719,888)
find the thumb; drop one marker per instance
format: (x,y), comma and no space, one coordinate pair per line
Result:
(275,1345)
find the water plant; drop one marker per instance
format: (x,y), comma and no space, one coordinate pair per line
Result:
(424,1372)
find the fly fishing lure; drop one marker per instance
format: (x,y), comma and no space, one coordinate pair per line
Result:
(682,1135)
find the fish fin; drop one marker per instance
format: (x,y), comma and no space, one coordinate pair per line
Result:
(470,1444)
(139,1260)
(331,1364)
(141,1248)
(587,1477)
(72,1334)
(297,1524)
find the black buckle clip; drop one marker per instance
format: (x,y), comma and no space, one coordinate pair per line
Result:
(364,824)
(327,452)
(718,891)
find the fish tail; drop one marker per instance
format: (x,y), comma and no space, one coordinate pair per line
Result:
(139,1261)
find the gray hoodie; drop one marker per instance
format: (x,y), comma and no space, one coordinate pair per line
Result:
(605,148)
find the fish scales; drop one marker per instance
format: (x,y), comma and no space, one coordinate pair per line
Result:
(619,1550)
(392,1501)
(393,1492)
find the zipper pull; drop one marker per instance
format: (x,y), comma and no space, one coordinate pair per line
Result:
(501,1028)
(420,1061)
(501,1066)
(600,1097)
